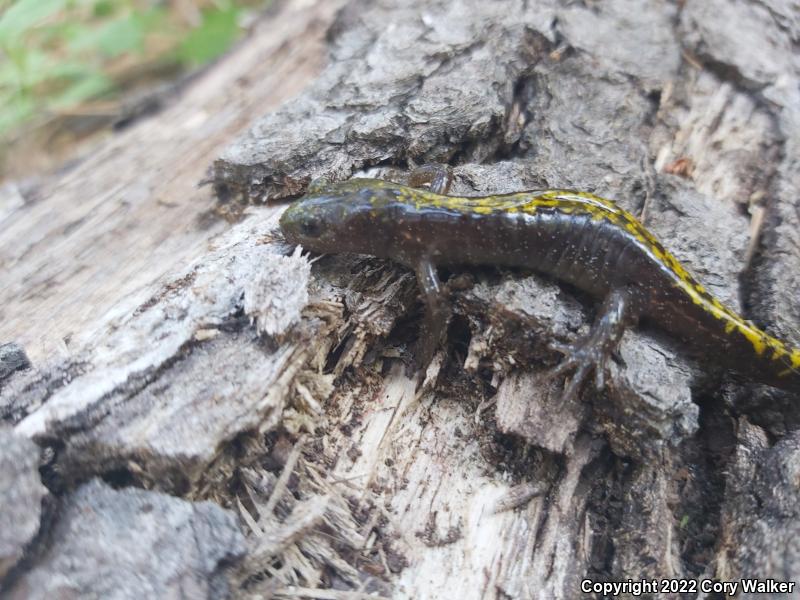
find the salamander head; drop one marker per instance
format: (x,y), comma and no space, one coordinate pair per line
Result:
(342,217)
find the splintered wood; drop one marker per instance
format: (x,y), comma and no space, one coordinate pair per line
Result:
(217,379)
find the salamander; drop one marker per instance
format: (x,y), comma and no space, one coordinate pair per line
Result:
(572,236)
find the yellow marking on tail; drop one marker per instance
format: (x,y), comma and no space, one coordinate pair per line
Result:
(601,209)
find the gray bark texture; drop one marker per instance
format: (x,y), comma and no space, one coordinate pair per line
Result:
(218,414)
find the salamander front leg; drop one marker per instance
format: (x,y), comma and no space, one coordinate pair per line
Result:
(436,309)
(593,351)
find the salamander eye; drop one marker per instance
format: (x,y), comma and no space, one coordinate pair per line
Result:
(310,227)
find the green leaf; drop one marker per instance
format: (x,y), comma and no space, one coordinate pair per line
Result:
(9,76)
(113,38)
(156,18)
(33,67)
(83,89)
(67,69)
(214,36)
(103,8)
(15,112)
(25,14)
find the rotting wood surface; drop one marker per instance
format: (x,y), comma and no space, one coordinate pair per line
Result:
(235,370)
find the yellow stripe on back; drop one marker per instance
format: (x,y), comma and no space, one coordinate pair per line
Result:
(601,209)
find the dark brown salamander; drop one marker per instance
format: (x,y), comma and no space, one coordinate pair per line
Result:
(572,236)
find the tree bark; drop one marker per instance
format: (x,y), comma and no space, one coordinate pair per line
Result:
(178,352)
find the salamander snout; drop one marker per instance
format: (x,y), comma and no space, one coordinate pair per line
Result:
(349,216)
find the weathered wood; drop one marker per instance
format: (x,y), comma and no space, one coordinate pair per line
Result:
(21,495)
(608,97)
(90,243)
(763,481)
(130,543)
(12,358)
(217,363)
(114,243)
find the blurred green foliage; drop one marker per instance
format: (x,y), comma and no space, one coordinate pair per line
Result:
(57,54)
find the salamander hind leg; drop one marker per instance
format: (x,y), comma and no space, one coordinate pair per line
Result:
(592,352)
(439,177)
(437,312)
